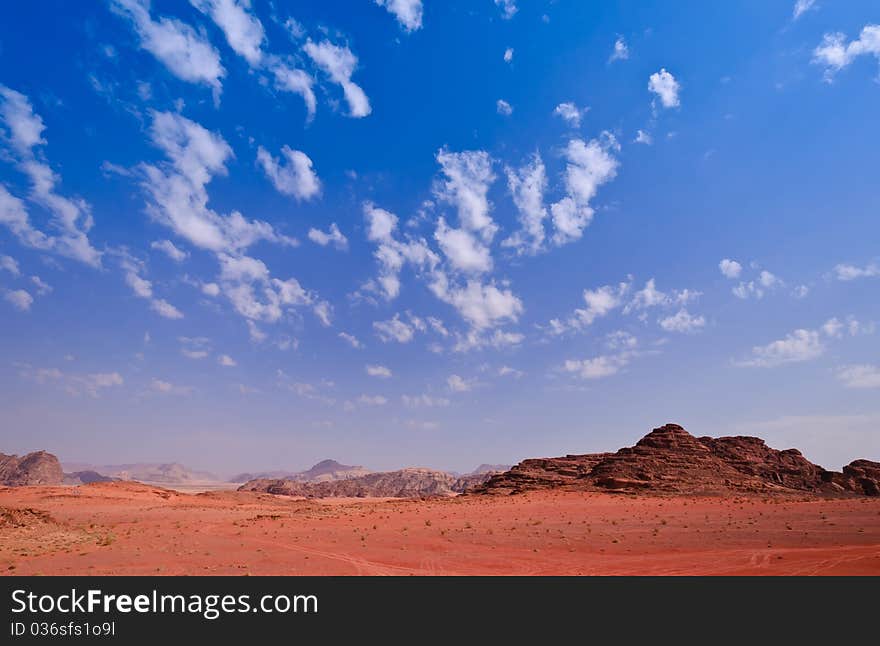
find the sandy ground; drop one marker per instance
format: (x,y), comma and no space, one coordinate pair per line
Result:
(125,528)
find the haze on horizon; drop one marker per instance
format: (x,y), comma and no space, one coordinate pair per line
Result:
(245,235)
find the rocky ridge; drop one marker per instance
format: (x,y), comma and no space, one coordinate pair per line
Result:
(669,460)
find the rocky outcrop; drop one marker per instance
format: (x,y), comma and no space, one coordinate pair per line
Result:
(669,460)
(405,483)
(38,468)
(323,471)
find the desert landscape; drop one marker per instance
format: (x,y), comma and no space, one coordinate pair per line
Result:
(673,504)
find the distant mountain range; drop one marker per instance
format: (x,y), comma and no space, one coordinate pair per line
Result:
(414,482)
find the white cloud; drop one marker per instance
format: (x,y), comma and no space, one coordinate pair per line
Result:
(71,217)
(350,339)
(186,53)
(378,371)
(503,107)
(860,376)
(394,330)
(801,7)
(10,264)
(682,321)
(464,250)
(296,178)
(598,367)
(458,384)
(143,288)
(508,8)
(800,345)
(19,299)
(340,63)
(291,79)
(372,400)
(226,361)
(664,85)
(801,291)
(643,137)
(481,305)
(42,286)
(835,53)
(599,303)
(570,113)
(589,166)
(210,289)
(167,388)
(851,272)
(243,31)
(650,296)
(507,371)
(757,288)
(620,51)
(391,253)
(468,176)
(407,12)
(167,247)
(730,268)
(527,185)
(334,236)
(508,54)
(424,401)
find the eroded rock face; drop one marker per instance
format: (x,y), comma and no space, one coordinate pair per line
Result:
(669,460)
(38,468)
(405,483)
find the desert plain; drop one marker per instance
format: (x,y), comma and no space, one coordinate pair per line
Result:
(124,528)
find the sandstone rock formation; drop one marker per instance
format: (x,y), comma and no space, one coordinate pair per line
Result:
(38,468)
(405,483)
(669,460)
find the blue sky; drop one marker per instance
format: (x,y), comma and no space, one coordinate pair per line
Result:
(257,234)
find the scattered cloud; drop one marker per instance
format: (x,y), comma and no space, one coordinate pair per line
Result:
(508,54)
(851,272)
(339,63)
(379,371)
(682,321)
(664,85)
(350,339)
(458,384)
(334,236)
(167,247)
(407,12)
(508,8)
(503,108)
(10,264)
(570,113)
(19,299)
(589,166)
(730,268)
(71,218)
(860,376)
(643,137)
(620,51)
(226,361)
(296,178)
(834,53)
(801,7)
(186,53)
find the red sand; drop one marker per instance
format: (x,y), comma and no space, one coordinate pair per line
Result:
(125,528)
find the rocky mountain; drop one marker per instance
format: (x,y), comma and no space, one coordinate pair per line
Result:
(406,483)
(38,468)
(324,471)
(490,468)
(669,460)
(150,472)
